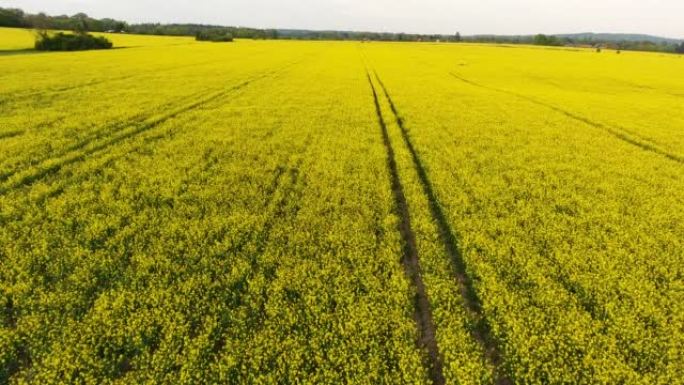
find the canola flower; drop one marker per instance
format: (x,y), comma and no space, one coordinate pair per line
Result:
(181,212)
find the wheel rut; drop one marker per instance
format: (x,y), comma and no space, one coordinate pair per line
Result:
(93,146)
(619,133)
(410,258)
(10,134)
(473,304)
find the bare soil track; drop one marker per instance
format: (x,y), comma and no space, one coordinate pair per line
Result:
(410,259)
(481,332)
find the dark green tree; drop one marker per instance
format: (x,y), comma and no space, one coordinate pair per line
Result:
(680,48)
(11,17)
(542,39)
(80,23)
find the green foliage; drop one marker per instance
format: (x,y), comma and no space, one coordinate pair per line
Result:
(680,48)
(195,29)
(10,17)
(70,42)
(546,40)
(214,35)
(78,21)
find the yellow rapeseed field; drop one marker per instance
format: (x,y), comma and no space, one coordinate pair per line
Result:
(15,39)
(285,212)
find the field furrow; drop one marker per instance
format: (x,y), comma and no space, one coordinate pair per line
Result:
(81,151)
(410,258)
(620,133)
(534,199)
(473,304)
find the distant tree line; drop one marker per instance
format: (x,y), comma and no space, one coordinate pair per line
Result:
(10,17)
(17,18)
(547,40)
(214,35)
(79,23)
(559,41)
(194,29)
(365,36)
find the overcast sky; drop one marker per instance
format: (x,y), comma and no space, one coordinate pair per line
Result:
(658,17)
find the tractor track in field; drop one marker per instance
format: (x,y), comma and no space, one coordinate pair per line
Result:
(101,133)
(619,133)
(77,156)
(10,134)
(59,90)
(286,180)
(473,304)
(98,146)
(582,297)
(130,121)
(410,259)
(561,276)
(278,194)
(275,207)
(107,159)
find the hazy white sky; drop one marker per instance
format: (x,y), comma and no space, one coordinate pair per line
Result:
(659,17)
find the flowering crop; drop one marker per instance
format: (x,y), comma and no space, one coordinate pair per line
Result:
(271,212)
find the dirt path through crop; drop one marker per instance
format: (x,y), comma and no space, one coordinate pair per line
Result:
(410,259)
(482,331)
